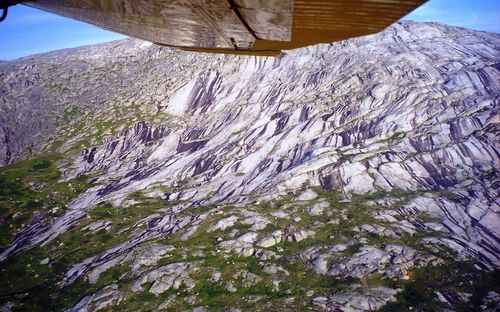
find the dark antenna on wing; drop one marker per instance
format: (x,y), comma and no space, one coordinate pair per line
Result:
(5,10)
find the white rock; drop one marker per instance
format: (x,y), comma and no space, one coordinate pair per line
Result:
(230,287)
(98,225)
(307,195)
(317,209)
(271,240)
(216,276)
(106,297)
(223,224)
(280,214)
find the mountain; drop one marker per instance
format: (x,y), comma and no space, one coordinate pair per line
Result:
(354,176)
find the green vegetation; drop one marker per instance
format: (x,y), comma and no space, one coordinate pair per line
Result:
(396,137)
(33,185)
(72,112)
(419,292)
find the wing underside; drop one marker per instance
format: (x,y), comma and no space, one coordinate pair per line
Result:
(260,27)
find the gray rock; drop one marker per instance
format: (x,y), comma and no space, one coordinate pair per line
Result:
(98,225)
(223,224)
(247,278)
(216,276)
(299,236)
(7,307)
(393,260)
(139,258)
(276,282)
(320,301)
(106,297)
(307,195)
(369,299)
(377,230)
(317,209)
(149,256)
(271,240)
(338,247)
(280,214)
(491,302)
(166,277)
(189,233)
(320,264)
(272,269)
(230,287)
(256,221)
(242,245)
(266,255)
(168,303)
(165,225)
(369,259)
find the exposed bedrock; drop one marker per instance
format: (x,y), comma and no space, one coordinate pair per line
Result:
(413,109)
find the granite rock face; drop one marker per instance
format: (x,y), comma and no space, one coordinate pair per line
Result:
(108,296)
(382,150)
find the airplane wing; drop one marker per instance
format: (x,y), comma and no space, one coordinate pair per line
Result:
(255,27)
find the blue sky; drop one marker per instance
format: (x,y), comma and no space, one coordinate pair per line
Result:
(29,31)
(474,14)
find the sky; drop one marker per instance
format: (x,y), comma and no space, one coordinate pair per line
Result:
(29,31)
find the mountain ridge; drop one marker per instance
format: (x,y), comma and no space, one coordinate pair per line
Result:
(390,137)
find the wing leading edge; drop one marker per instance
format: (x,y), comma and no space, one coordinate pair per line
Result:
(255,27)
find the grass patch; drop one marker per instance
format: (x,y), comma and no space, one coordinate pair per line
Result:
(33,185)
(419,292)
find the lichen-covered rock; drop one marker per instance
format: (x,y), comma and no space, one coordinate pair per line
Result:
(173,276)
(165,225)
(491,302)
(230,287)
(104,298)
(317,209)
(255,220)
(98,225)
(377,230)
(299,235)
(392,261)
(223,224)
(307,195)
(248,279)
(369,299)
(242,245)
(149,256)
(280,214)
(216,276)
(271,240)
(274,269)
(369,259)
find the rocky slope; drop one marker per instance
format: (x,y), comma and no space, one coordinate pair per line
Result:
(354,176)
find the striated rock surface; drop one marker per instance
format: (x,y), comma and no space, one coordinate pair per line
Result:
(162,279)
(108,296)
(365,300)
(337,177)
